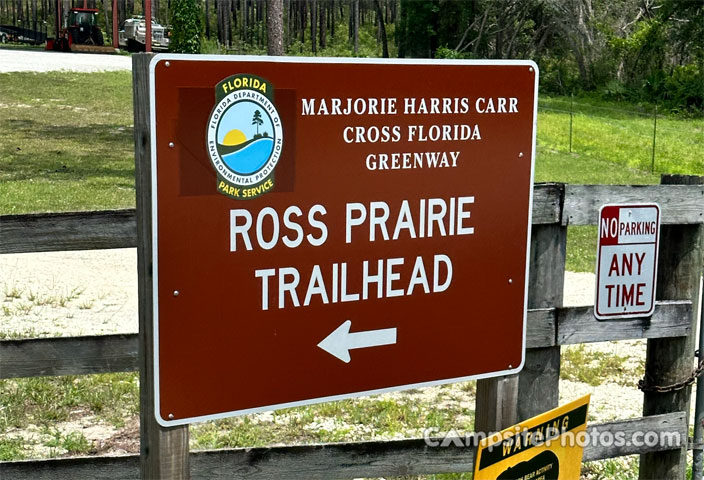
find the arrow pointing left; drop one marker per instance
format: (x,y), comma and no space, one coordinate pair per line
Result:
(341,341)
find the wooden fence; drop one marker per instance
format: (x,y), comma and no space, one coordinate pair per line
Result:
(500,401)
(670,352)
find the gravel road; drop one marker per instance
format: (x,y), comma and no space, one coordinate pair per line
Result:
(14,60)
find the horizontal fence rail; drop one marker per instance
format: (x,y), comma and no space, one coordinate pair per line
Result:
(36,357)
(547,327)
(680,204)
(347,460)
(48,232)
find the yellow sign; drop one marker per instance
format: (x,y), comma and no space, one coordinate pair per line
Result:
(546,447)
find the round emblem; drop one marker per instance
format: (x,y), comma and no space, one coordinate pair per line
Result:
(244,137)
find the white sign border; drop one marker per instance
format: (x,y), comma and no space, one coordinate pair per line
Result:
(305,60)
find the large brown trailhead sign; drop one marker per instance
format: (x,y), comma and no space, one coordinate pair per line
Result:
(330,228)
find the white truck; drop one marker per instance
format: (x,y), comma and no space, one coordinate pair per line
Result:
(133,34)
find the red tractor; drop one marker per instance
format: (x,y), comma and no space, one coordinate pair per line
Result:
(80,33)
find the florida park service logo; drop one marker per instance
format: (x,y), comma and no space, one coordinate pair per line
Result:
(244,136)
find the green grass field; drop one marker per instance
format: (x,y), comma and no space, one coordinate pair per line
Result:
(65,142)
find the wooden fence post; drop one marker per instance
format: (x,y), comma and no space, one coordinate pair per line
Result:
(163,451)
(496,404)
(671,360)
(538,382)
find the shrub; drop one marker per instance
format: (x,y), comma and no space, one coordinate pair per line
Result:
(185,35)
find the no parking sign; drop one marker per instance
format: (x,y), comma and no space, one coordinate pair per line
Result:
(626,268)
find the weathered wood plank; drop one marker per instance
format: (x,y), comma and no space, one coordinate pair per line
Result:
(77,468)
(68,355)
(345,460)
(341,461)
(47,232)
(670,360)
(164,451)
(679,204)
(670,430)
(538,387)
(541,328)
(496,402)
(547,202)
(578,325)
(119,353)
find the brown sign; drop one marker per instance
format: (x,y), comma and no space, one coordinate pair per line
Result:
(325,229)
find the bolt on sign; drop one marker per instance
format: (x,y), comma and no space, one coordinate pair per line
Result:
(627,258)
(549,446)
(330,228)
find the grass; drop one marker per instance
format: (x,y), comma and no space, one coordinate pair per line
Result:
(580,363)
(43,401)
(65,143)
(622,134)
(18,301)
(72,443)
(623,468)
(42,404)
(11,449)
(406,414)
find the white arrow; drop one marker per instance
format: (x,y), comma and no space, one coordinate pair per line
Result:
(341,341)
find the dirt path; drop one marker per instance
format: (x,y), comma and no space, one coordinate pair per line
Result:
(15,60)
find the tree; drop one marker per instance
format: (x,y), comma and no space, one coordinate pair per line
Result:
(275,27)
(355,25)
(185,34)
(257,120)
(382,29)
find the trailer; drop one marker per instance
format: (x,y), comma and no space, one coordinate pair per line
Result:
(12,33)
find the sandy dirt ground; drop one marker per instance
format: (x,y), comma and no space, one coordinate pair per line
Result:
(14,60)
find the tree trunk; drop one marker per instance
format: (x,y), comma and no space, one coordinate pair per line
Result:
(304,16)
(207,19)
(333,19)
(313,26)
(322,23)
(245,21)
(107,22)
(382,29)
(356,26)
(275,27)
